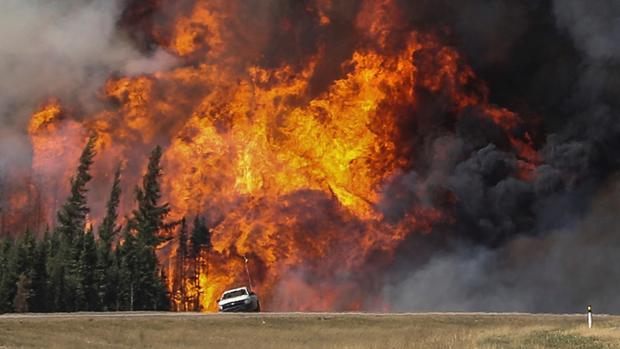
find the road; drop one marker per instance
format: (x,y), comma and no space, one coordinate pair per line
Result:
(307,330)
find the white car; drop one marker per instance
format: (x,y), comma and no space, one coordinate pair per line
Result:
(238,299)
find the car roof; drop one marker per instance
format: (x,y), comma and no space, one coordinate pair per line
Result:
(236,289)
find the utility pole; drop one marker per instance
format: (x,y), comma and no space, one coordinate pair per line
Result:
(247,270)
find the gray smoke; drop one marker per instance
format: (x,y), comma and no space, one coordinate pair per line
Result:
(547,245)
(594,26)
(61,48)
(562,271)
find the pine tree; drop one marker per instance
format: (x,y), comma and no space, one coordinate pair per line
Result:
(127,273)
(149,216)
(164,295)
(179,290)
(148,284)
(107,270)
(200,242)
(87,287)
(15,283)
(8,278)
(109,229)
(72,215)
(38,276)
(71,221)
(3,265)
(56,285)
(25,249)
(149,222)
(201,237)
(182,247)
(22,294)
(74,280)
(117,288)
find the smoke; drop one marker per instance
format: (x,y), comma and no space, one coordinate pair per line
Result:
(560,272)
(594,27)
(61,48)
(543,245)
(64,49)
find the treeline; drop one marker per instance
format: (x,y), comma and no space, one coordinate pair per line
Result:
(74,267)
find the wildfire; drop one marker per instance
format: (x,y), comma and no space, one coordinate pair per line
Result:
(289,178)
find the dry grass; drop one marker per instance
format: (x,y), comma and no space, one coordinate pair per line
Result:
(296,331)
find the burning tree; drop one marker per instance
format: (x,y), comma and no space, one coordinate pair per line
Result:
(179,292)
(191,261)
(200,249)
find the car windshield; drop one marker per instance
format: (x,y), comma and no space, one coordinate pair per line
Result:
(234,294)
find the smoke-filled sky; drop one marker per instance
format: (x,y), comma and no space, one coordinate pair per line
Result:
(548,244)
(60,48)
(557,62)
(556,272)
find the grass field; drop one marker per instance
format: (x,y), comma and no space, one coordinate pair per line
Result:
(257,331)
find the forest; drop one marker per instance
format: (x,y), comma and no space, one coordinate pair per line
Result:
(74,266)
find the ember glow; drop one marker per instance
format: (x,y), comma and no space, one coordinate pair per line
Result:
(289,175)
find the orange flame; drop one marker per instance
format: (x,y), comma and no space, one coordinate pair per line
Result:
(290,179)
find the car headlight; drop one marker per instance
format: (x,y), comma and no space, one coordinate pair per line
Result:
(248,301)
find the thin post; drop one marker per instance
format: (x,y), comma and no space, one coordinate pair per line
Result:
(247,270)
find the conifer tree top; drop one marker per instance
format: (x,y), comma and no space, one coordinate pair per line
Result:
(108,228)
(72,215)
(150,215)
